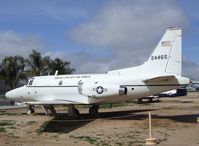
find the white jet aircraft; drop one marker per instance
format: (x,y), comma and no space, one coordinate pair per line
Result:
(162,72)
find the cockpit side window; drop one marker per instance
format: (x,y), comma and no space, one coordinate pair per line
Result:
(60,83)
(26,82)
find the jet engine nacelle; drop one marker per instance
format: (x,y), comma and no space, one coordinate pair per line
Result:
(97,89)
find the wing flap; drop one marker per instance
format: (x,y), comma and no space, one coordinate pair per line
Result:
(52,102)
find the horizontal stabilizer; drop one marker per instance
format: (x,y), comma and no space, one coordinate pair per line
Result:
(160,79)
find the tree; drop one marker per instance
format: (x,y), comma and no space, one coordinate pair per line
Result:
(63,67)
(16,69)
(12,70)
(37,65)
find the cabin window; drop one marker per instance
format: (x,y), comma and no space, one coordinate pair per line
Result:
(60,83)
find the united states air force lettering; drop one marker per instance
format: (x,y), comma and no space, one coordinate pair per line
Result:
(73,77)
(159,57)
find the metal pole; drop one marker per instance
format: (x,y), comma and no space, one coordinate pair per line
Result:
(150,133)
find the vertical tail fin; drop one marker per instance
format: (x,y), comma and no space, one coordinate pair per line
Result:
(167,56)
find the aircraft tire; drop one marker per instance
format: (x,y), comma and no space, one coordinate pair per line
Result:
(30,111)
(93,111)
(75,114)
(12,102)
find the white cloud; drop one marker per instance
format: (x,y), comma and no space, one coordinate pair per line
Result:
(53,55)
(12,43)
(124,24)
(65,14)
(130,29)
(84,62)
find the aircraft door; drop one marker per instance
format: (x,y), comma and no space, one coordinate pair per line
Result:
(31,90)
(35,91)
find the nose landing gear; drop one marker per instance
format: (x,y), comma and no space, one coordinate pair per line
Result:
(30,110)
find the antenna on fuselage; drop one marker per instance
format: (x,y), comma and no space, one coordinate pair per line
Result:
(56,72)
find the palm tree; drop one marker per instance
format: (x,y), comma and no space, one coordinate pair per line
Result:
(37,65)
(34,64)
(62,66)
(12,70)
(16,69)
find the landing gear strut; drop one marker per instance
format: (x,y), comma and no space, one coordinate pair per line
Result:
(30,110)
(73,112)
(93,111)
(49,109)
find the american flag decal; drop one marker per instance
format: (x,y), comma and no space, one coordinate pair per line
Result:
(166,43)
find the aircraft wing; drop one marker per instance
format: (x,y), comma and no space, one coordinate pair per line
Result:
(11,107)
(157,79)
(52,102)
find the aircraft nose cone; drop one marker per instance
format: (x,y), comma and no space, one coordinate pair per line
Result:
(9,94)
(15,93)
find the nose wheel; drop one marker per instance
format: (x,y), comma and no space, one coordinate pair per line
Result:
(30,110)
(12,102)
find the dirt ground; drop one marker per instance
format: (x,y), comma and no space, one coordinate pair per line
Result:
(174,123)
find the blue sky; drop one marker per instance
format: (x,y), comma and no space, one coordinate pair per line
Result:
(191,34)
(97,35)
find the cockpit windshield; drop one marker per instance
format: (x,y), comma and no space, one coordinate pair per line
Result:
(30,82)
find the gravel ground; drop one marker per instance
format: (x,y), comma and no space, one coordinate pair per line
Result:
(173,123)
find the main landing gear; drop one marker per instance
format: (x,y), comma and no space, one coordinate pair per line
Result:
(49,109)
(94,110)
(73,112)
(30,110)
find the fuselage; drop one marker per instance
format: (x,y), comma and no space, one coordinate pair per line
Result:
(66,88)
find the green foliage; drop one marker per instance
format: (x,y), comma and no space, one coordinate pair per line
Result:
(7,122)
(6,113)
(61,66)
(2,129)
(14,69)
(42,127)
(91,140)
(122,104)
(12,127)
(36,64)
(31,122)
(2,96)
(39,65)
